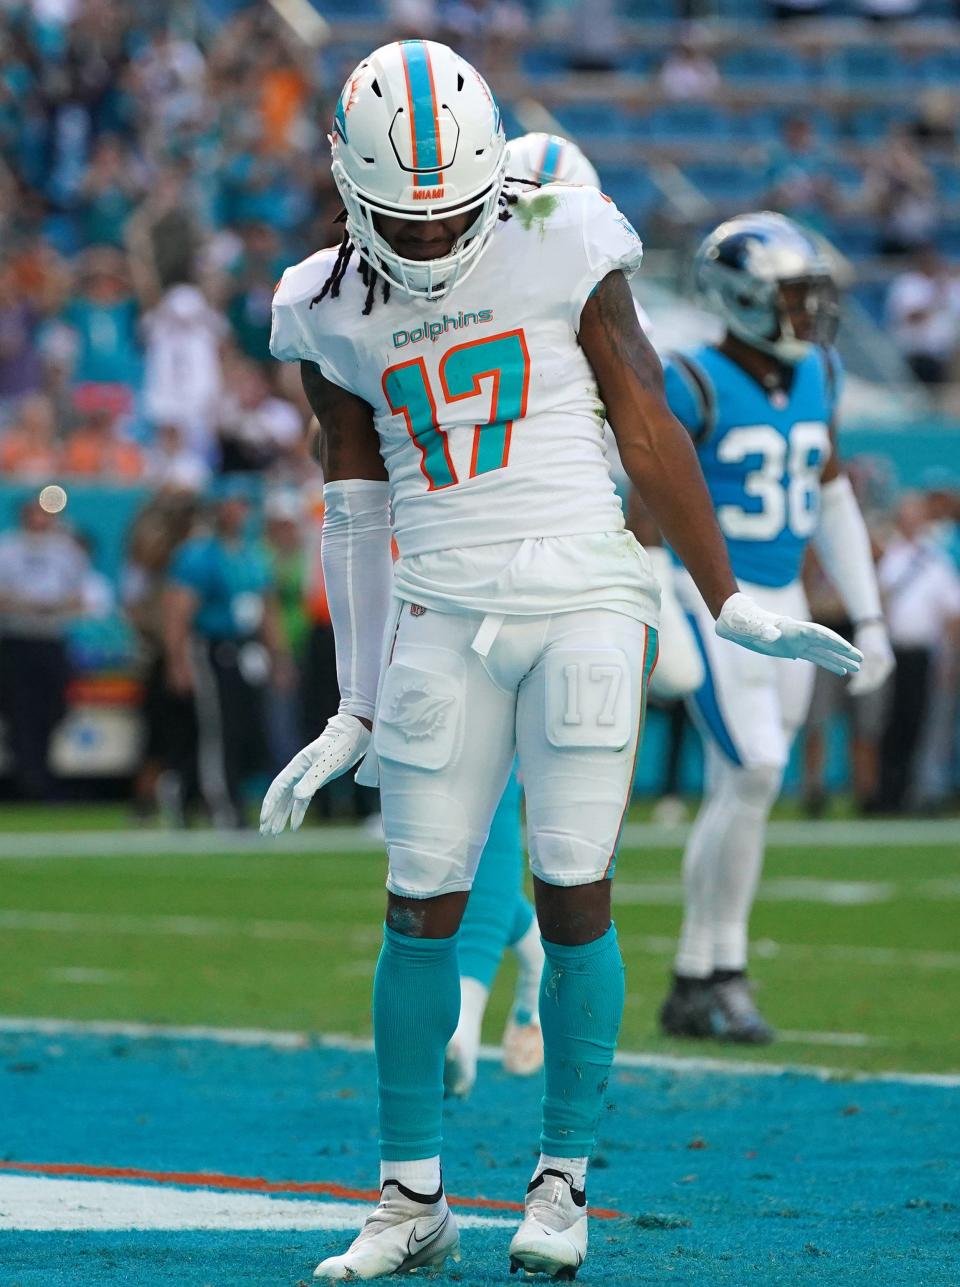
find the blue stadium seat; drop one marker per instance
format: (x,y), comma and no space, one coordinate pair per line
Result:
(941,69)
(870,124)
(643,62)
(868,65)
(632,190)
(772,63)
(684,122)
(948,180)
(599,117)
(725,183)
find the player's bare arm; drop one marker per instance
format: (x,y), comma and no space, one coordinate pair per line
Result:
(347,442)
(654,447)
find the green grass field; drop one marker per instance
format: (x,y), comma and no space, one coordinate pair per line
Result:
(857,953)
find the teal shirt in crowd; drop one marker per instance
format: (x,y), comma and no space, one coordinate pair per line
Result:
(230,581)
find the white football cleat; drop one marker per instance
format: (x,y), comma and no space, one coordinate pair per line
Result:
(522,1047)
(402,1233)
(553,1236)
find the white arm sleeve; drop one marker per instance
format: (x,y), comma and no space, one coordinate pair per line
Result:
(358,574)
(843,548)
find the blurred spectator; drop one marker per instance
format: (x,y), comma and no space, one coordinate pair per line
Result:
(164,234)
(798,175)
(921,591)
(169,76)
(485,32)
(29,450)
(169,720)
(183,381)
(284,538)
(257,430)
(688,71)
(901,194)
(21,365)
(42,576)
(595,37)
(923,313)
(173,467)
(413,18)
(223,636)
(253,279)
(935,122)
(866,715)
(103,313)
(98,596)
(108,193)
(96,450)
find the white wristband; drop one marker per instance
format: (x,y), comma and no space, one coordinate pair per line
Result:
(358,575)
(843,548)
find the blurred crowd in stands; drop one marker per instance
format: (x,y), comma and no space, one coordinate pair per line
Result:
(158,170)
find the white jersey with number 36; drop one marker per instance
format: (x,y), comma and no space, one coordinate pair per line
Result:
(488,413)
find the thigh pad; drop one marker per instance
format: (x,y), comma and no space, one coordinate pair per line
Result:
(588,698)
(420,711)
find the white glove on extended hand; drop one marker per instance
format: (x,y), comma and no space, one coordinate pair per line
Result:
(341,744)
(878,662)
(745,622)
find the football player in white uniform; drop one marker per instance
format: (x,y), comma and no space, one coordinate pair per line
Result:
(461,349)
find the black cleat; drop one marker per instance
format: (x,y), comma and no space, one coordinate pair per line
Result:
(687,1009)
(733,1012)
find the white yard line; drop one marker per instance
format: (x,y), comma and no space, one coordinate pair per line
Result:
(856,954)
(31,1203)
(856,833)
(287,1040)
(836,893)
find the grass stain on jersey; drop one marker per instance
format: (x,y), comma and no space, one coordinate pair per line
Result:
(536,209)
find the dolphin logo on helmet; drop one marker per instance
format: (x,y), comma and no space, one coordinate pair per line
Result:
(742,269)
(417,136)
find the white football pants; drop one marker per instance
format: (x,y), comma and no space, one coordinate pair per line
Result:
(464,693)
(748,710)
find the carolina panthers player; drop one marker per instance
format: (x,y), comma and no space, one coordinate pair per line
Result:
(455,348)
(761,409)
(492,920)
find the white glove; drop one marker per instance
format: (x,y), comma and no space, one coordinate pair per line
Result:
(878,663)
(746,623)
(339,746)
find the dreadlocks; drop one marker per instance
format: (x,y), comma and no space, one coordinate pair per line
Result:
(369,274)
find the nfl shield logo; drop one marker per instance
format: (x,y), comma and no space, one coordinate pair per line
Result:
(417,609)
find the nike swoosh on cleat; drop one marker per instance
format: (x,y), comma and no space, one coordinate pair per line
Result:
(422,1242)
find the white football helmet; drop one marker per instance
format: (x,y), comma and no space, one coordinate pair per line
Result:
(417,135)
(547,158)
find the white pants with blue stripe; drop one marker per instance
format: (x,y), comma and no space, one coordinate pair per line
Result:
(749,706)
(748,710)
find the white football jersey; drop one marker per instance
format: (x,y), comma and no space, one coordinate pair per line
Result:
(490,422)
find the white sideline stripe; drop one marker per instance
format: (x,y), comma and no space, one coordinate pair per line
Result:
(838,893)
(891,834)
(32,1203)
(769,949)
(363,937)
(281,1040)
